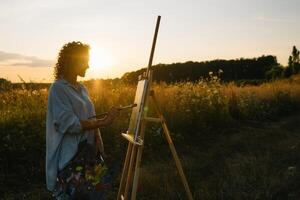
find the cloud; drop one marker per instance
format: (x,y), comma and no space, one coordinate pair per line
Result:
(271,19)
(14,59)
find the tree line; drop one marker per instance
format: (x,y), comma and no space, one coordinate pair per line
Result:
(261,68)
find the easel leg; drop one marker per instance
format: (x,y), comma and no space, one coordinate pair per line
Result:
(138,163)
(130,171)
(172,148)
(125,171)
(177,161)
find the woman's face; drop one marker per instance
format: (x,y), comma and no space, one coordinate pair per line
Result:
(82,64)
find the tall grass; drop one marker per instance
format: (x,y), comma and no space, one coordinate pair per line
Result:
(194,112)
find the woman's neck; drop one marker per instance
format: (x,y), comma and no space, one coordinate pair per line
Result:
(71,79)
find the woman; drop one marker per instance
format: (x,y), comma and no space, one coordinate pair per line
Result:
(68,126)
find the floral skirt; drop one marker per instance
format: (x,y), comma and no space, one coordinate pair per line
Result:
(82,178)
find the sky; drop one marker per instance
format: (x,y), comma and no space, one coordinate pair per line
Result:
(120,33)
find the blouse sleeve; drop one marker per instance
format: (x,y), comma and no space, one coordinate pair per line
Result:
(64,118)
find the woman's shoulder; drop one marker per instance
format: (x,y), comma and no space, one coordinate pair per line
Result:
(57,85)
(83,87)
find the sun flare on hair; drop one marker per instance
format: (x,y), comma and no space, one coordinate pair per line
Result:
(100,61)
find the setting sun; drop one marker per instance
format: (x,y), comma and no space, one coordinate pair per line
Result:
(100,60)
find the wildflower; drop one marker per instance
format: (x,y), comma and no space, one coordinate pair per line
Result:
(34,92)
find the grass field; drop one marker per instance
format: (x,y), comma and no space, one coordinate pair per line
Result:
(234,142)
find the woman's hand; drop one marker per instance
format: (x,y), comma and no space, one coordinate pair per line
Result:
(112,114)
(98,123)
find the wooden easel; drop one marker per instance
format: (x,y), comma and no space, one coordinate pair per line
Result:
(131,168)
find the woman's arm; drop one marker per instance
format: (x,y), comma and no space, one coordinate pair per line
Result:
(92,124)
(98,123)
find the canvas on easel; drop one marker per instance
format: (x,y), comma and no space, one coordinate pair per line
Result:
(137,111)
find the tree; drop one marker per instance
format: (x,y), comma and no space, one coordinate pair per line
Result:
(4,84)
(4,81)
(275,72)
(294,61)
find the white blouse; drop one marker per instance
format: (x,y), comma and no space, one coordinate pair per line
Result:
(67,105)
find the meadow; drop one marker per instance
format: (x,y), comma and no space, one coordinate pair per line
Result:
(235,142)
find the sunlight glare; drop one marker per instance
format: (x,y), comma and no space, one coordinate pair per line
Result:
(100,60)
